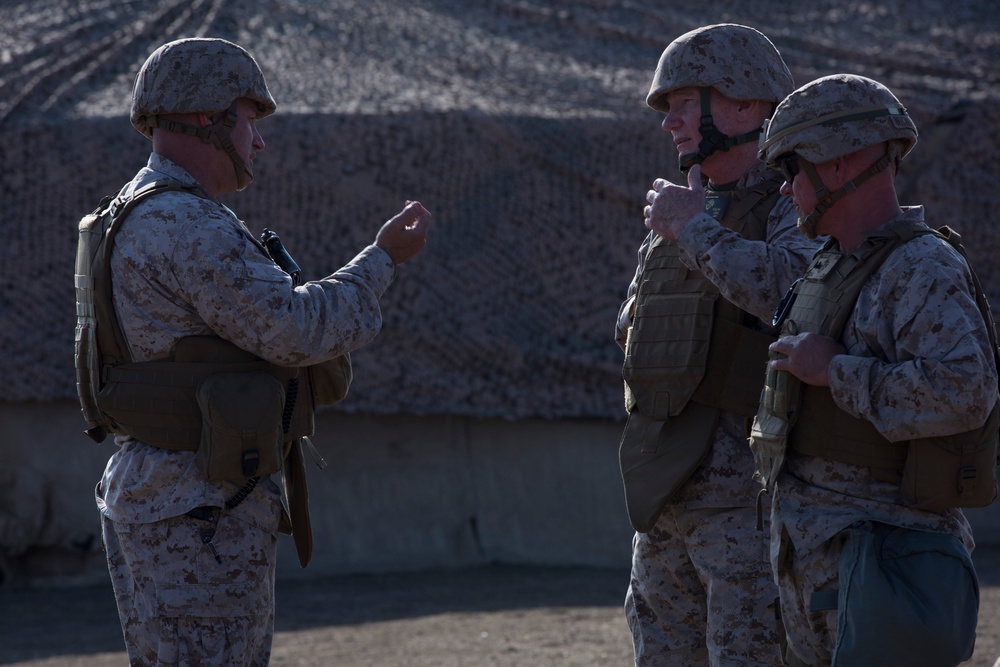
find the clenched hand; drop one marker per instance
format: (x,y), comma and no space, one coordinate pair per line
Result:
(671,206)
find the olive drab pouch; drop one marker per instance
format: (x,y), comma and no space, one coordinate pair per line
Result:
(904,597)
(330,380)
(778,413)
(241,434)
(657,457)
(953,471)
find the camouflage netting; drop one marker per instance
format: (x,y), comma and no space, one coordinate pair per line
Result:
(520,125)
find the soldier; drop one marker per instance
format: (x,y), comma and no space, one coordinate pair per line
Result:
(695,329)
(212,359)
(880,415)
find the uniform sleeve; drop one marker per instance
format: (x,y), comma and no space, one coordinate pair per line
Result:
(919,362)
(247,299)
(754,275)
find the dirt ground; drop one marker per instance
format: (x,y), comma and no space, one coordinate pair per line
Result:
(499,616)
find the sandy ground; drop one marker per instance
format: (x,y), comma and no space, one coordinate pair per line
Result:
(498,616)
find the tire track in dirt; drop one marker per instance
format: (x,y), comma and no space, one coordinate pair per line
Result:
(69,58)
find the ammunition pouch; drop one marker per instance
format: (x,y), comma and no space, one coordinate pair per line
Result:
(244,417)
(241,434)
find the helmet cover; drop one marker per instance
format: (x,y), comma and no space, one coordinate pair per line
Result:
(836,115)
(738,61)
(194,75)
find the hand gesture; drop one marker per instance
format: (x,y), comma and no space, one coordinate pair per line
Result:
(405,234)
(671,206)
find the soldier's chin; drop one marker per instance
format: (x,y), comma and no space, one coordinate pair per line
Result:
(247,179)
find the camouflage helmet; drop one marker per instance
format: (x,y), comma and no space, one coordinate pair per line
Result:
(196,75)
(738,61)
(836,115)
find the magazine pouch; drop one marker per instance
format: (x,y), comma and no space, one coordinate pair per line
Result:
(241,434)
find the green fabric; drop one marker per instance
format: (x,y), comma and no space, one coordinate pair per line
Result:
(907,597)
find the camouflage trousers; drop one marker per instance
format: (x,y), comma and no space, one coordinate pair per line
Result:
(179,605)
(811,635)
(702,592)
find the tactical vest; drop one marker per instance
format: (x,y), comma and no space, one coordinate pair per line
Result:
(153,401)
(686,343)
(935,473)
(189,402)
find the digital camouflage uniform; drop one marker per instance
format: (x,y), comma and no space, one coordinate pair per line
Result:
(708,532)
(185,266)
(918,364)
(199,589)
(701,590)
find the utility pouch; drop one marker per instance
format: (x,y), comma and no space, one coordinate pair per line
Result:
(953,471)
(777,415)
(241,434)
(330,380)
(905,597)
(657,457)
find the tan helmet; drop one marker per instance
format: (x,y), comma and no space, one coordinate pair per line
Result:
(836,115)
(196,75)
(200,75)
(738,61)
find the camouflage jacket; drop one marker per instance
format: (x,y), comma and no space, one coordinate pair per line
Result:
(918,364)
(183,266)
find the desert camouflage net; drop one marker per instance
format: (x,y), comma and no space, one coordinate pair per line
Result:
(521,126)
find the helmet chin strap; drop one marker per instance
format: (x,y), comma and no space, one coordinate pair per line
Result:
(825,199)
(712,139)
(217,134)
